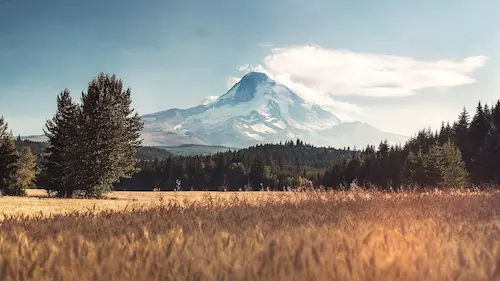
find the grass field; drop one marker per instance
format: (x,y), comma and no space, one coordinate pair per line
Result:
(38,202)
(451,235)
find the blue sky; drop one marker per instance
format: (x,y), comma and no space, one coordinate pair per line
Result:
(399,65)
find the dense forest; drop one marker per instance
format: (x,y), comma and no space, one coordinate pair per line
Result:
(276,166)
(464,153)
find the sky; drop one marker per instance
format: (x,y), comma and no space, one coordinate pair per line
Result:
(398,65)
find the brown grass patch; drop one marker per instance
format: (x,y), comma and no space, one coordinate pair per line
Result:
(453,235)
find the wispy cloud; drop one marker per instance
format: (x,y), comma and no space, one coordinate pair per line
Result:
(319,75)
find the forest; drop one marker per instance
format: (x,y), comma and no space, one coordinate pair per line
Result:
(466,152)
(459,154)
(274,166)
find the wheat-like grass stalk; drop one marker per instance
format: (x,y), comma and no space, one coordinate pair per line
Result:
(326,235)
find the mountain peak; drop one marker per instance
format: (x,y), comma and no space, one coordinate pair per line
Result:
(246,88)
(255,77)
(256,109)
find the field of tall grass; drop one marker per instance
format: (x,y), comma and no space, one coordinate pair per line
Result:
(355,235)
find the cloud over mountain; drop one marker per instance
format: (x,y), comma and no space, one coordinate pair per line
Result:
(320,75)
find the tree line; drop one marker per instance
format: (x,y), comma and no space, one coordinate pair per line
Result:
(465,153)
(274,166)
(94,147)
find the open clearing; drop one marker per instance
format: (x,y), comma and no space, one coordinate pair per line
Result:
(37,202)
(357,235)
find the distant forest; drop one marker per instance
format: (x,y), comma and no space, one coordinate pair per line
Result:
(461,154)
(289,164)
(464,153)
(144,153)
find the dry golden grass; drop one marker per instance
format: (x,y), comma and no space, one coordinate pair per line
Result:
(452,235)
(38,202)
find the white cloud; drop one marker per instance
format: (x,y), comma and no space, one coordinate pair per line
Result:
(231,81)
(343,72)
(318,74)
(309,93)
(208,100)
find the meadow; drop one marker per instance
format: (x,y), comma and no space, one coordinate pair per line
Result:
(322,235)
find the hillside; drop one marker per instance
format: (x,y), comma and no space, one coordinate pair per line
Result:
(195,149)
(143,153)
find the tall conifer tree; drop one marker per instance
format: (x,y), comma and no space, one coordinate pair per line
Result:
(61,163)
(8,161)
(110,134)
(454,172)
(26,171)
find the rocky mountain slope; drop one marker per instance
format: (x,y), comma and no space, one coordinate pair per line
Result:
(258,110)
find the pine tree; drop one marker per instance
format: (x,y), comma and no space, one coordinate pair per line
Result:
(433,164)
(168,173)
(110,134)
(236,176)
(218,175)
(26,171)
(257,172)
(413,170)
(492,147)
(454,172)
(8,161)
(479,128)
(445,133)
(462,137)
(61,167)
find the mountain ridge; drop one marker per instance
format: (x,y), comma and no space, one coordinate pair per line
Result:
(257,110)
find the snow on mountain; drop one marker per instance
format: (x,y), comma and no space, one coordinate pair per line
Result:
(209,100)
(256,110)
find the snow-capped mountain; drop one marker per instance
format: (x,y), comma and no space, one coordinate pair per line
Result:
(257,110)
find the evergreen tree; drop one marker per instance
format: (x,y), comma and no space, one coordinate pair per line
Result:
(445,133)
(218,175)
(413,169)
(8,162)
(433,165)
(454,172)
(236,176)
(62,170)
(168,173)
(257,172)
(26,171)
(110,134)
(492,146)
(495,118)
(479,128)
(462,137)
